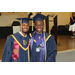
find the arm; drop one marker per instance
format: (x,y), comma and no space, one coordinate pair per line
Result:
(72,19)
(51,50)
(7,50)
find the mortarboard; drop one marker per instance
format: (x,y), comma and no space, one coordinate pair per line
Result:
(24,20)
(39,17)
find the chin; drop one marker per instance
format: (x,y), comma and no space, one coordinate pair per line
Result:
(25,32)
(39,31)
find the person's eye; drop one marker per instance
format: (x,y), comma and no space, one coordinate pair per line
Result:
(41,25)
(23,24)
(27,25)
(36,25)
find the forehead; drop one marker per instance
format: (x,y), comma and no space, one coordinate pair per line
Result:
(25,23)
(39,22)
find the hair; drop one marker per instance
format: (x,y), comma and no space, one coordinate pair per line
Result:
(73,13)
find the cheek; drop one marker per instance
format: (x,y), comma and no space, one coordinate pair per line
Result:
(28,28)
(35,27)
(22,27)
(41,27)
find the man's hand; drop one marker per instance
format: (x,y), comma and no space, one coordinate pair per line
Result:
(73,20)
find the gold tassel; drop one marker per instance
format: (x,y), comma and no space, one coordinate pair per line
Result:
(15,60)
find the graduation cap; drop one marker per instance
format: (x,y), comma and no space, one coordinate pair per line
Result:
(24,20)
(39,17)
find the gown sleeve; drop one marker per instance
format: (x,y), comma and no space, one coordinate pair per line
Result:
(7,53)
(51,50)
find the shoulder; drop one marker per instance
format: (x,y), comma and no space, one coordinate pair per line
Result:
(48,36)
(16,34)
(9,39)
(31,34)
(71,17)
(12,35)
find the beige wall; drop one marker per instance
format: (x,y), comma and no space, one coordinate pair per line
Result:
(7,18)
(63,18)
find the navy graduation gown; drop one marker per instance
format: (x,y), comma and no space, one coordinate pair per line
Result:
(51,49)
(23,49)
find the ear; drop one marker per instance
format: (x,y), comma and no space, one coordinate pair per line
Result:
(20,25)
(43,25)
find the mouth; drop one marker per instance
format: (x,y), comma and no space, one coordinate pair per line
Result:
(38,29)
(25,29)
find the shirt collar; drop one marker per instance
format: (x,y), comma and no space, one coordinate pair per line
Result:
(22,34)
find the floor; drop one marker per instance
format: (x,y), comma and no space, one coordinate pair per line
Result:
(2,43)
(64,44)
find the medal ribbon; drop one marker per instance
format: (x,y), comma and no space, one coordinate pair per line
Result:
(42,52)
(38,41)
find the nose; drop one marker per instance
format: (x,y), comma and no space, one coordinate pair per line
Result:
(39,26)
(25,26)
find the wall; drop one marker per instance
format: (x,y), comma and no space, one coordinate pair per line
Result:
(63,18)
(7,18)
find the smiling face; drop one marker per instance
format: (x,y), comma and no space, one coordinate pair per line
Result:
(39,26)
(25,27)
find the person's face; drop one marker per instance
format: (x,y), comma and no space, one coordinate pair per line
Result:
(39,26)
(25,27)
(72,14)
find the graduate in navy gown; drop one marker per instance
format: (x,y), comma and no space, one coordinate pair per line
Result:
(43,47)
(17,45)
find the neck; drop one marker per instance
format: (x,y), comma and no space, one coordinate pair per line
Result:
(39,32)
(24,33)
